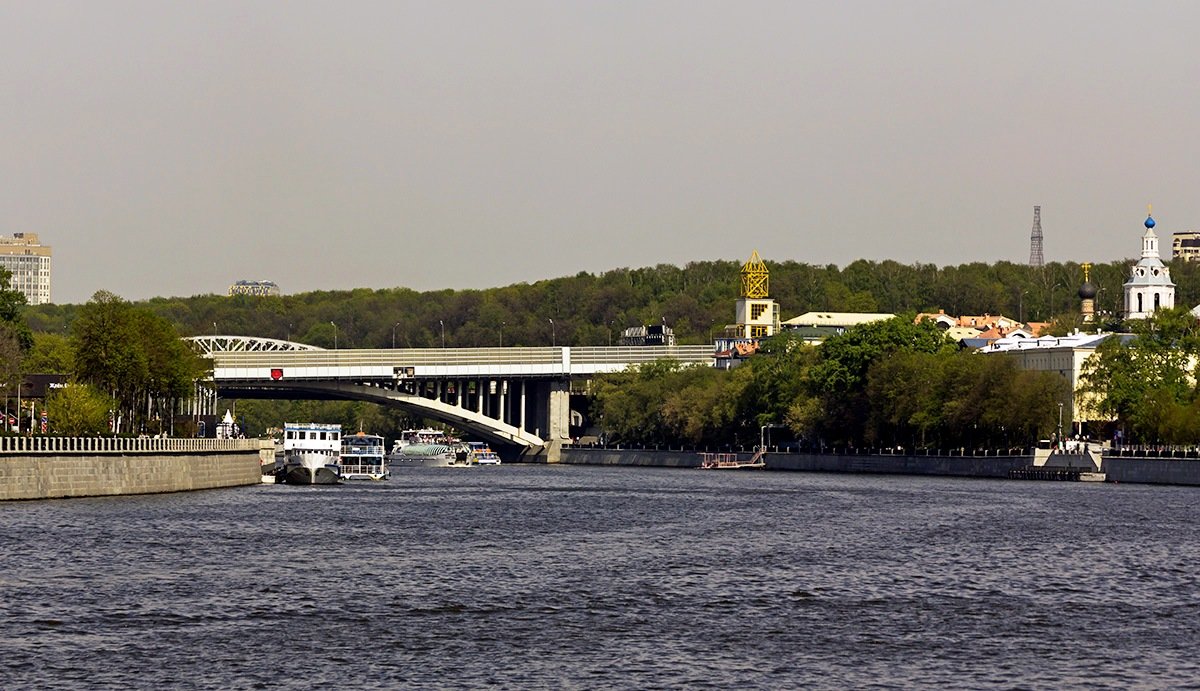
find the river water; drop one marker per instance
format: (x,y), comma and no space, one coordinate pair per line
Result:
(581,577)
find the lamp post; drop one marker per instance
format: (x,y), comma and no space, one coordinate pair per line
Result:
(553,334)
(289,333)
(1021,309)
(762,435)
(394,334)
(502,333)
(610,323)
(1056,286)
(442,324)
(1060,437)
(214,329)
(334,335)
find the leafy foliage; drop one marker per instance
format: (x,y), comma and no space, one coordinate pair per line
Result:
(831,393)
(133,355)
(1148,383)
(78,409)
(891,383)
(592,309)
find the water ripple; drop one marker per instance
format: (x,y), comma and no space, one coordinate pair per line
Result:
(555,577)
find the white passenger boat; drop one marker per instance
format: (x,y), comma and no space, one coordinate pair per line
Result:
(310,453)
(431,455)
(425,435)
(362,458)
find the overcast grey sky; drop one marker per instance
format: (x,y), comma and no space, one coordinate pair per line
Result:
(170,148)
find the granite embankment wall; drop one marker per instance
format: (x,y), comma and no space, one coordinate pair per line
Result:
(58,467)
(896,464)
(636,457)
(1153,471)
(899,464)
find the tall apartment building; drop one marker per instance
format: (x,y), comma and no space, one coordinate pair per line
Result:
(29,262)
(1186,246)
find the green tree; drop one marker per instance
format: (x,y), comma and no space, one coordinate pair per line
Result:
(135,356)
(51,354)
(1147,382)
(78,409)
(839,377)
(10,359)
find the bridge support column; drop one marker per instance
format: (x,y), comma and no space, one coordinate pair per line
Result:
(504,401)
(479,389)
(559,414)
(522,425)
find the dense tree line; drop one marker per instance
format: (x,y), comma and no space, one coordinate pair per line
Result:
(591,309)
(841,394)
(891,383)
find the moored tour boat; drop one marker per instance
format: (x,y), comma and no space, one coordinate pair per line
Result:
(310,453)
(431,455)
(362,458)
(425,435)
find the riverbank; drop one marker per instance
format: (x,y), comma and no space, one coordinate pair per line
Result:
(992,464)
(63,467)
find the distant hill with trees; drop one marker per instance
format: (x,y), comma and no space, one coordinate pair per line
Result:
(592,309)
(849,392)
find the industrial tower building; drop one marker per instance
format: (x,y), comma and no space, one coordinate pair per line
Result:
(1035,239)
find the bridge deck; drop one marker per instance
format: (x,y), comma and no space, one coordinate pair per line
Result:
(447,362)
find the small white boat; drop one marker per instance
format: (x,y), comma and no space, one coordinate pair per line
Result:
(362,458)
(479,453)
(729,461)
(310,453)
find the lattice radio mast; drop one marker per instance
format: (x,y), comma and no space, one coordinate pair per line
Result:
(1035,239)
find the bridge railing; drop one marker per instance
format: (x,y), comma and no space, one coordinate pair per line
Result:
(464,356)
(117,445)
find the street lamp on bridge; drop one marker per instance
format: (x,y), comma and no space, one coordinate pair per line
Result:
(394,334)
(334,335)
(553,334)
(502,324)
(443,325)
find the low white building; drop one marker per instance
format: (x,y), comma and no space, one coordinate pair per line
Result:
(837,320)
(1065,355)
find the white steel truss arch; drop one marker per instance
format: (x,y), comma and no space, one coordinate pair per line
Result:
(207,345)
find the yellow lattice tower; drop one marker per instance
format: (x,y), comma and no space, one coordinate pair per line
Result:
(754,278)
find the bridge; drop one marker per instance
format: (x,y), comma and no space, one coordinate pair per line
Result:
(511,396)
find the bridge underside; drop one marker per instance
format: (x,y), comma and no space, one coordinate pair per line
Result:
(491,418)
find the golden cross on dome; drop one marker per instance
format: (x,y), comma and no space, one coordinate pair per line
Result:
(1086,267)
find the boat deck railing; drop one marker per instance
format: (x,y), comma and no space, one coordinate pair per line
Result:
(363,469)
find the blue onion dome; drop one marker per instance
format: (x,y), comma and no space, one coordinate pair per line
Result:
(1149,222)
(1087,291)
